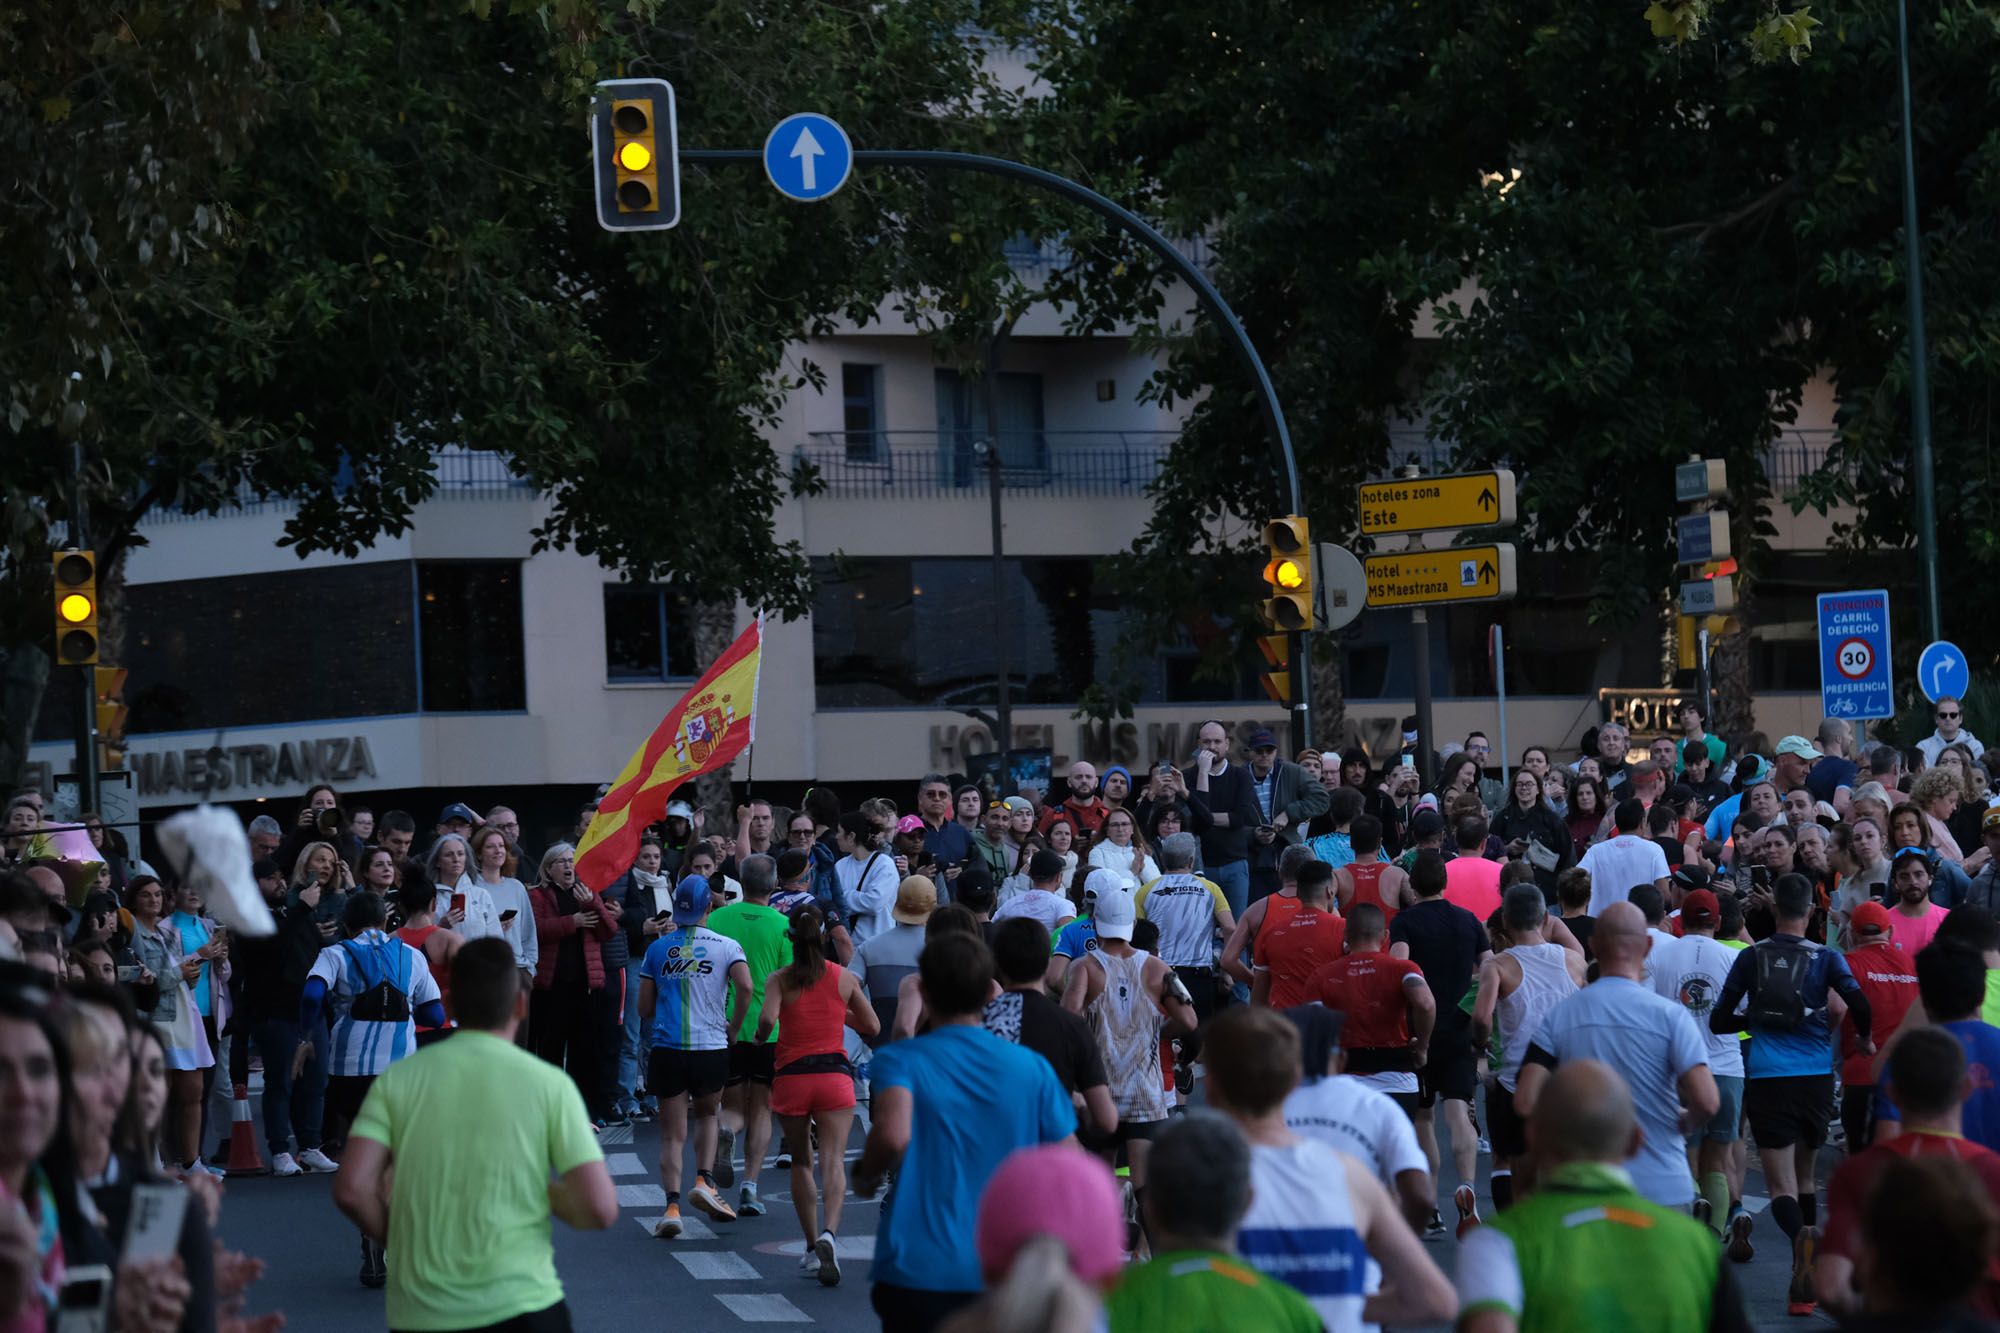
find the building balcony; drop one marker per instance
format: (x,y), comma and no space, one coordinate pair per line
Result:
(460,474)
(927,465)
(1796,454)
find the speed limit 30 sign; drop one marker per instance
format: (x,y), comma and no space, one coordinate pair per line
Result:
(1854,673)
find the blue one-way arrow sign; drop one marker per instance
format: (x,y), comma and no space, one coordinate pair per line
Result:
(1942,672)
(808,157)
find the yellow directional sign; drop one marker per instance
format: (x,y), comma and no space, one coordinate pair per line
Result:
(1454,574)
(1426,504)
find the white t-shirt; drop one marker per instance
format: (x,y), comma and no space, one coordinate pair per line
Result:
(1661,939)
(867,890)
(1300,1230)
(689,968)
(1345,1113)
(1045,908)
(1618,865)
(353,967)
(1690,971)
(1118,860)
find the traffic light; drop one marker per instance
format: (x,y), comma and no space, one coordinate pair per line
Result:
(111,714)
(1277,682)
(76,607)
(1288,603)
(636,155)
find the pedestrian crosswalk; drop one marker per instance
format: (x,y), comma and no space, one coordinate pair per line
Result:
(728,1256)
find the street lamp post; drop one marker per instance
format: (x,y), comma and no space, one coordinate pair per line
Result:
(1923,467)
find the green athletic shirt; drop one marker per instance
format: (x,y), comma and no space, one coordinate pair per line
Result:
(1989,1008)
(1587,1253)
(760,929)
(1199,1291)
(475,1126)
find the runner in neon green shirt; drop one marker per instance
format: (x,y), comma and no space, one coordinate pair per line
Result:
(1586,1252)
(746,1100)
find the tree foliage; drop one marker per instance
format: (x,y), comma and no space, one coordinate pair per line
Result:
(1634,251)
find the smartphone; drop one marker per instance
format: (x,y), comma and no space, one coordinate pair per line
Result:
(83,1304)
(458,902)
(1760,876)
(129,975)
(508,916)
(154,1231)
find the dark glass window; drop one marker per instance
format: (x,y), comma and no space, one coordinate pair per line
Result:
(470,611)
(895,632)
(259,649)
(648,633)
(861,407)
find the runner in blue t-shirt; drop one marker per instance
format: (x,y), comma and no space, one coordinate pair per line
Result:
(948,1108)
(1788,1073)
(1951,983)
(1078,937)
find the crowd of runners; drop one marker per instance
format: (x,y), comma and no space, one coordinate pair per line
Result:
(1186,1049)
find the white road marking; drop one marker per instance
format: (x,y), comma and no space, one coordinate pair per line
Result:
(626,1164)
(847,1247)
(615,1134)
(692,1228)
(763,1309)
(1753,1203)
(641,1196)
(716,1266)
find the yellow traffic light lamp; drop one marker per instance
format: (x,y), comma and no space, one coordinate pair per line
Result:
(76,607)
(1288,577)
(632,133)
(636,158)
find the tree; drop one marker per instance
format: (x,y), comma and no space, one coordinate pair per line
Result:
(389,249)
(1664,243)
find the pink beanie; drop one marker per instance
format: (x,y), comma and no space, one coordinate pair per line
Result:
(1053,1191)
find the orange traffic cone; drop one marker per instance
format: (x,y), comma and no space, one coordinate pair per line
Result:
(244,1157)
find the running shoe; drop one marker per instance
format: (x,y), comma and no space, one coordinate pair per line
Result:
(784,1162)
(284,1164)
(1802,1300)
(312,1159)
(709,1200)
(1740,1250)
(725,1155)
(374,1272)
(669,1224)
(1704,1212)
(809,1263)
(829,1259)
(1434,1229)
(1468,1209)
(747,1202)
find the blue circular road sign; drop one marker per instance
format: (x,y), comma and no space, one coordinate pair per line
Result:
(1942,672)
(808,157)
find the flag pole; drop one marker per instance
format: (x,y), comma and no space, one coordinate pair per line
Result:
(750,750)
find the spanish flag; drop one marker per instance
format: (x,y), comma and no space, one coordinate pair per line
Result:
(712,724)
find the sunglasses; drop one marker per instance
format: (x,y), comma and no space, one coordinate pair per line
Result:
(1948,717)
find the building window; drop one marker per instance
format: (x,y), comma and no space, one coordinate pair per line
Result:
(251,650)
(648,633)
(861,409)
(469,636)
(898,633)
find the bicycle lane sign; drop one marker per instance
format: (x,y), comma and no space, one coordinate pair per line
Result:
(1855,680)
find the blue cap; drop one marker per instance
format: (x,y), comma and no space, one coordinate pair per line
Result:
(691,901)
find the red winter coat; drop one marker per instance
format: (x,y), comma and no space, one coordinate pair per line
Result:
(553,926)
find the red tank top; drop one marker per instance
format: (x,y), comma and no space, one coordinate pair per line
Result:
(1367,877)
(810,1021)
(416,937)
(1278,909)
(1305,941)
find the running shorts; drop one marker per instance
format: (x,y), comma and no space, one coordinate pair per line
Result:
(671,1072)
(1784,1112)
(803,1094)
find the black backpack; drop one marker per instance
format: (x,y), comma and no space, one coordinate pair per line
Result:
(377,997)
(1778,1001)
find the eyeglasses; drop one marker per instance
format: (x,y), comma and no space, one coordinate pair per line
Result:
(1947,717)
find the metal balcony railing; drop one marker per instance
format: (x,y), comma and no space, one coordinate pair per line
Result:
(462,474)
(908,464)
(1796,454)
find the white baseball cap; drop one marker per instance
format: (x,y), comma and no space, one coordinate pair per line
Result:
(1114,914)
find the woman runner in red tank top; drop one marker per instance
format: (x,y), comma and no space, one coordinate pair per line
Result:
(420,930)
(810,1003)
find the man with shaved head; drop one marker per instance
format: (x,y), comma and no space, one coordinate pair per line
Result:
(1586,1250)
(1650,1041)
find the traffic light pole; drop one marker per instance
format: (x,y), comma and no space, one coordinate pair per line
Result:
(86,675)
(1184,268)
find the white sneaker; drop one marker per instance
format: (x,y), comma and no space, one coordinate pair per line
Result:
(201,1168)
(284,1164)
(809,1263)
(312,1159)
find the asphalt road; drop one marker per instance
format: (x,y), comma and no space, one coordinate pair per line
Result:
(715,1277)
